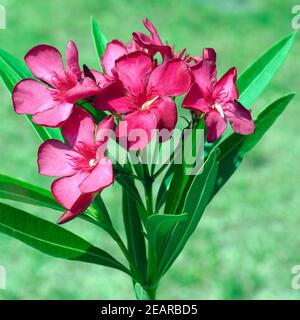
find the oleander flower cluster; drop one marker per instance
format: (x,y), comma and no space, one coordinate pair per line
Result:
(136,89)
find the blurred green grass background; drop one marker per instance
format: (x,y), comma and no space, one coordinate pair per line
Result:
(248,239)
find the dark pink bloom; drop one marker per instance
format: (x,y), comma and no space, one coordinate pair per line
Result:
(153,42)
(50,101)
(218,100)
(143,93)
(81,162)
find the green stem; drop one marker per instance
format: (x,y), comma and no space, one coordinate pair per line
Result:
(149,197)
(151,292)
(123,248)
(160,170)
(144,292)
(128,174)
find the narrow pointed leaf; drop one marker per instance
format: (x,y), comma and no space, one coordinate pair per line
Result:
(195,203)
(17,190)
(257,76)
(164,187)
(98,39)
(97,213)
(52,239)
(127,183)
(20,191)
(159,227)
(181,180)
(134,233)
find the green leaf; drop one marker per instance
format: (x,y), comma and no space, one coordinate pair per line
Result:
(127,183)
(257,76)
(164,187)
(12,71)
(134,233)
(234,148)
(17,190)
(197,197)
(52,239)
(97,213)
(181,180)
(159,226)
(98,39)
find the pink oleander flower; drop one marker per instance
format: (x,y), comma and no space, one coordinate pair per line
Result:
(153,44)
(140,42)
(217,100)
(143,94)
(50,101)
(81,162)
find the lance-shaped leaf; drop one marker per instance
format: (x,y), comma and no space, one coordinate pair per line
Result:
(164,187)
(191,155)
(257,76)
(20,191)
(98,38)
(196,201)
(12,71)
(52,239)
(127,182)
(17,190)
(234,148)
(134,233)
(159,227)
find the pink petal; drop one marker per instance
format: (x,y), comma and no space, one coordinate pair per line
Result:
(225,89)
(153,43)
(166,112)
(54,159)
(205,76)
(112,98)
(104,130)
(239,118)
(133,70)
(31,96)
(209,54)
(66,190)
(215,125)
(54,117)
(99,178)
(133,46)
(101,79)
(79,129)
(44,61)
(137,129)
(81,204)
(151,46)
(114,50)
(72,60)
(195,99)
(83,89)
(154,34)
(171,78)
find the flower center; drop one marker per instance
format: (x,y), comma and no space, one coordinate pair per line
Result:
(147,104)
(219,109)
(92,163)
